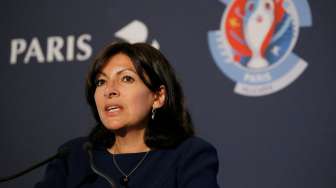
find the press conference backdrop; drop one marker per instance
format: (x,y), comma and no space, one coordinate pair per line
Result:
(258,76)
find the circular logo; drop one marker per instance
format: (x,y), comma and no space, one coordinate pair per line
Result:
(254,44)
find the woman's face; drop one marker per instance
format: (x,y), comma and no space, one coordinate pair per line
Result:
(122,99)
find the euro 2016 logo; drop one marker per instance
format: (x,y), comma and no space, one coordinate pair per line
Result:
(255,42)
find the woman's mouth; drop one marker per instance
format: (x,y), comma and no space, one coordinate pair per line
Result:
(112,109)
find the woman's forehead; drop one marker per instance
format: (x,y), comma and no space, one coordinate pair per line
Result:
(118,63)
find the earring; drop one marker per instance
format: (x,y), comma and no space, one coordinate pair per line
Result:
(153,113)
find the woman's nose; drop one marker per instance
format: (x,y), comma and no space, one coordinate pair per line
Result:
(111,91)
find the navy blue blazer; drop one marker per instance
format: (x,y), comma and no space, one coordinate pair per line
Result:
(193,164)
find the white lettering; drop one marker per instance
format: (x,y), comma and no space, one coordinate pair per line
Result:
(83,45)
(54,46)
(34,50)
(257,78)
(56,49)
(18,46)
(70,52)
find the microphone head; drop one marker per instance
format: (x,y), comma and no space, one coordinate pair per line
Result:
(87,146)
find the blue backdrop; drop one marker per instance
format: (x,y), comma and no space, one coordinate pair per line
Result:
(272,133)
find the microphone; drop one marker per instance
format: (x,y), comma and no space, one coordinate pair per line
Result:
(62,152)
(87,146)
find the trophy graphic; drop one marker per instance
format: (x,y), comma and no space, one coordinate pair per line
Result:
(258,28)
(255,42)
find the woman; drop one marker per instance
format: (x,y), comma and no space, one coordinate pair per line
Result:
(144,136)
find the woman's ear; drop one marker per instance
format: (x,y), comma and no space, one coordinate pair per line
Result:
(160,97)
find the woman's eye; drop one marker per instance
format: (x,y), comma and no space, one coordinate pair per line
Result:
(127,78)
(99,82)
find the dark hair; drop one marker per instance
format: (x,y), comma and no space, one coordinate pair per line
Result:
(172,123)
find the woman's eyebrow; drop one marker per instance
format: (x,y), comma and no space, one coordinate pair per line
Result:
(100,73)
(123,70)
(116,71)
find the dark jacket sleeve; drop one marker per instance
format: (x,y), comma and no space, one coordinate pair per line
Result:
(199,166)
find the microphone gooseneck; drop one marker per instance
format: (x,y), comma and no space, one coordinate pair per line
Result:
(87,146)
(62,152)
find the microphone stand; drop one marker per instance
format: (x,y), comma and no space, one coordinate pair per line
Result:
(61,153)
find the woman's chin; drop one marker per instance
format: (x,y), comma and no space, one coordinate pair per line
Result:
(114,126)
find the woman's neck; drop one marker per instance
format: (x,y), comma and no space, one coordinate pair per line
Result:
(129,142)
